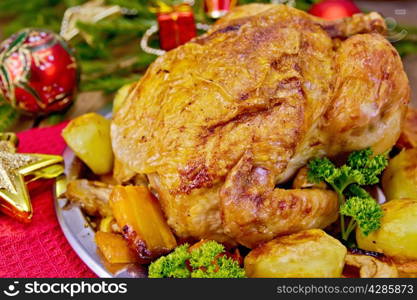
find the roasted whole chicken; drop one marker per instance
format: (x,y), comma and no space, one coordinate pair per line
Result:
(219,124)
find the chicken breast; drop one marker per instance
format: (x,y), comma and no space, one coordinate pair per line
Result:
(219,122)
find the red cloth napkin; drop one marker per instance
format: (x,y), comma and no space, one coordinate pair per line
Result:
(39,249)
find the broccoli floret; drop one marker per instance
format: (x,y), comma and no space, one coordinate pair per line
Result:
(203,256)
(173,265)
(370,167)
(320,169)
(206,261)
(362,168)
(224,267)
(346,176)
(365,211)
(355,190)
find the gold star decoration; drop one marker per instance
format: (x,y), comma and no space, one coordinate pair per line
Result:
(14,167)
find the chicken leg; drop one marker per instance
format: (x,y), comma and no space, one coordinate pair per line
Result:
(369,100)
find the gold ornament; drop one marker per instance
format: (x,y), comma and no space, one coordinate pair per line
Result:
(14,167)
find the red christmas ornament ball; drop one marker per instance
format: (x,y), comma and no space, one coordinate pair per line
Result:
(334,9)
(38,72)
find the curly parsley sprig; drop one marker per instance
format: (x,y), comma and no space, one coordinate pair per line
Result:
(362,168)
(206,261)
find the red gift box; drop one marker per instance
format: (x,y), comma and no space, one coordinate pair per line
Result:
(176,26)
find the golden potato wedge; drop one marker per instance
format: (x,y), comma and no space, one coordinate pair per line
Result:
(140,218)
(114,248)
(107,224)
(400,177)
(89,137)
(121,95)
(397,236)
(309,253)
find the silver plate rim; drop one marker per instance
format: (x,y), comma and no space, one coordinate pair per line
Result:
(74,226)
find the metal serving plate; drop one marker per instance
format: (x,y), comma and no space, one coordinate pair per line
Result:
(80,234)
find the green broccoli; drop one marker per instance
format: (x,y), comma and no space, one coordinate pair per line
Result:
(206,261)
(370,167)
(366,212)
(205,255)
(355,190)
(362,168)
(172,265)
(223,268)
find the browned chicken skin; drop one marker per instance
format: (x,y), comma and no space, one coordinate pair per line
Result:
(217,123)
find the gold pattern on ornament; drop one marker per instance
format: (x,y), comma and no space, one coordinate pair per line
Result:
(9,162)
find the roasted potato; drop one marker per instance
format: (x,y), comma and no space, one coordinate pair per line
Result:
(400,177)
(121,95)
(108,224)
(114,248)
(309,253)
(140,218)
(397,236)
(89,137)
